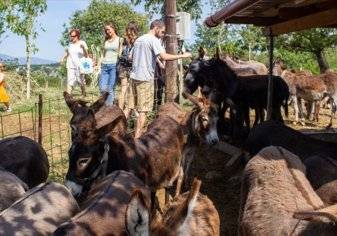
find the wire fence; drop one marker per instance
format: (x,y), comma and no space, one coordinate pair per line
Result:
(47,122)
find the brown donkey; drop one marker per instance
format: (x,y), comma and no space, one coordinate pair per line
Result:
(191,213)
(200,125)
(89,123)
(155,157)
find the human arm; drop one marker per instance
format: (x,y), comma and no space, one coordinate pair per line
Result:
(84,48)
(171,57)
(1,77)
(160,63)
(66,54)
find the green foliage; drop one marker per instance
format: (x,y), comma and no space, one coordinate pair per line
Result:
(194,7)
(21,15)
(2,18)
(297,50)
(91,21)
(313,40)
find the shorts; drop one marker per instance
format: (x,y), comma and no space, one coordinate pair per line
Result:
(140,95)
(74,76)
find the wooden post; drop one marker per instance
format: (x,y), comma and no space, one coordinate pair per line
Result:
(270,79)
(171,47)
(40,106)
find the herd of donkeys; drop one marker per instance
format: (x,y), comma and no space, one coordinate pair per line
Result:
(288,186)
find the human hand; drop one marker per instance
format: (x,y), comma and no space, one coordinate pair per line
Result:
(187,55)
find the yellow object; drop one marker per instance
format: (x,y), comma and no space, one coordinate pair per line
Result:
(3,94)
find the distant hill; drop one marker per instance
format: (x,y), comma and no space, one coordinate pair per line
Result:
(22,60)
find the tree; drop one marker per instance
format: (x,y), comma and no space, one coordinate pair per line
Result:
(91,21)
(194,7)
(314,41)
(21,18)
(2,17)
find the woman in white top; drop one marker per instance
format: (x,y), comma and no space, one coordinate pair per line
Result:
(75,51)
(112,46)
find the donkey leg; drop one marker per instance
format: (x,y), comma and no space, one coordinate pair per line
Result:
(179,181)
(188,155)
(257,116)
(333,111)
(295,102)
(300,108)
(317,110)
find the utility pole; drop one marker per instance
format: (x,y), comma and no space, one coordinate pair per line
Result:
(171,47)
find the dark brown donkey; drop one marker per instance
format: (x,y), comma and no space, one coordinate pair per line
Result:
(91,123)
(155,157)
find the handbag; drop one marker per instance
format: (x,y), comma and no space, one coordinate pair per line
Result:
(86,65)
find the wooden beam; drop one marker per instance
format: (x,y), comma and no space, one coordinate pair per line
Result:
(258,21)
(321,19)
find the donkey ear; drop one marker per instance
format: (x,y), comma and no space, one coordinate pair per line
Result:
(138,215)
(195,100)
(193,195)
(190,202)
(217,53)
(329,213)
(70,101)
(99,103)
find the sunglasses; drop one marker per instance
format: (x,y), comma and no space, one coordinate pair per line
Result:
(73,36)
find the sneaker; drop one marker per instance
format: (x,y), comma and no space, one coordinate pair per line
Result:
(9,109)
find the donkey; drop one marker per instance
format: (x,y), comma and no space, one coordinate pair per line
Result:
(220,83)
(246,67)
(191,213)
(319,157)
(155,157)
(330,80)
(90,123)
(25,158)
(277,199)
(200,125)
(303,86)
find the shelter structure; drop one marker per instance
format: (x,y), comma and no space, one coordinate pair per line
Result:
(278,17)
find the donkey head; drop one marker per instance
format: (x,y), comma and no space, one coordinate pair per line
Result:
(175,220)
(86,163)
(83,123)
(209,76)
(204,119)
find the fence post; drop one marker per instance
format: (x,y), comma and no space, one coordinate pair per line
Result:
(40,104)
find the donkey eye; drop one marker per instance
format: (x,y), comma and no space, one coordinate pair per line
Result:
(82,162)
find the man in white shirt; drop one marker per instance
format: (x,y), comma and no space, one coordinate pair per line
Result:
(145,52)
(75,51)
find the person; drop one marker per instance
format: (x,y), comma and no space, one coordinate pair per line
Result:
(112,47)
(144,54)
(125,64)
(4,98)
(75,51)
(159,83)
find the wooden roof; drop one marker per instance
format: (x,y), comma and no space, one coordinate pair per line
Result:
(282,16)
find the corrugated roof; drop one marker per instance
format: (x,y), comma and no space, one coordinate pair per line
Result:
(280,14)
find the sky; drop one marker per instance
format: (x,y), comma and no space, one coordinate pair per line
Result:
(57,14)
